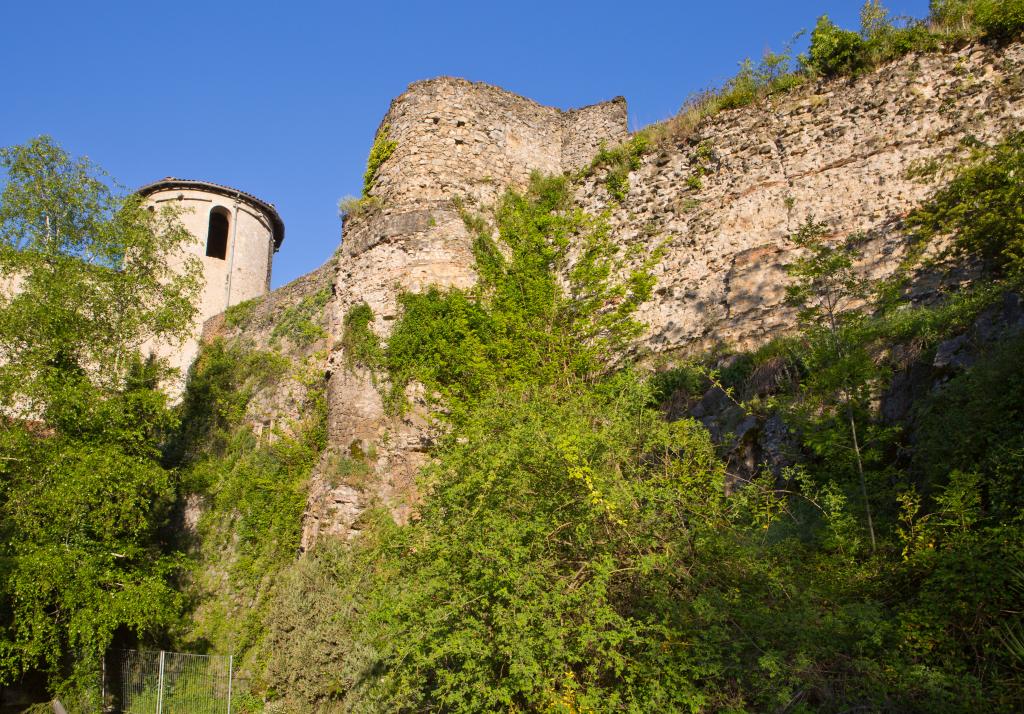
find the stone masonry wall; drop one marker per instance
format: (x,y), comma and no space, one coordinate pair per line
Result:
(842,151)
(454,138)
(471,140)
(585,129)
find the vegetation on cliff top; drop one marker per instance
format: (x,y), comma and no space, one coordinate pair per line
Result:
(832,52)
(382,149)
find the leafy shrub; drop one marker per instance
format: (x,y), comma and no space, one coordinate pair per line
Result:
(834,51)
(687,378)
(1000,19)
(997,19)
(546,618)
(775,72)
(983,207)
(361,345)
(317,651)
(742,89)
(354,207)
(741,368)
(296,323)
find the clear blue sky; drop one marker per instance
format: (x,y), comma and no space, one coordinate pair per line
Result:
(281,99)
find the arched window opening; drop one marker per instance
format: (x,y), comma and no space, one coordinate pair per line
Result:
(217,235)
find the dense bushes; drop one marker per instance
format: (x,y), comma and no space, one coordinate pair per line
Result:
(551,548)
(996,19)
(252,489)
(573,551)
(833,50)
(963,536)
(971,426)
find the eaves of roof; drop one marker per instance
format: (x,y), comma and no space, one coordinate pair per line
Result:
(170,183)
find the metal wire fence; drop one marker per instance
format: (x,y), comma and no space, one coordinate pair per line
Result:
(149,682)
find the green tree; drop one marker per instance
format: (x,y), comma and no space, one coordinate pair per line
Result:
(546,568)
(841,373)
(89,277)
(98,274)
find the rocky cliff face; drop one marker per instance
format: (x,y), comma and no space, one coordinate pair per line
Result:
(858,154)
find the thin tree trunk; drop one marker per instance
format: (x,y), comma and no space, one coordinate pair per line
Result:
(860,472)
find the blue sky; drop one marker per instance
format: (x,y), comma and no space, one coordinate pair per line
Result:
(281,99)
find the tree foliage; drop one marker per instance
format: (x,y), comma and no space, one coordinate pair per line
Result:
(554,303)
(97,275)
(983,207)
(83,495)
(833,50)
(841,374)
(82,509)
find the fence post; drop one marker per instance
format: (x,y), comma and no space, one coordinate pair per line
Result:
(231,667)
(160,686)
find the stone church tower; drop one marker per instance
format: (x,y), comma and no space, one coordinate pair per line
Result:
(236,235)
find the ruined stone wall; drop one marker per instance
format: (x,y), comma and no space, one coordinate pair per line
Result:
(842,150)
(457,138)
(857,154)
(585,129)
(470,140)
(454,138)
